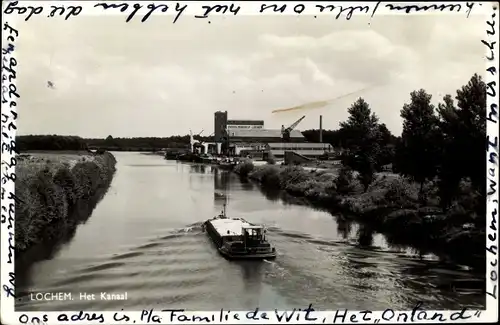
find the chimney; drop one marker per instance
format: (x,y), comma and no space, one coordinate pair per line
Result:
(321,128)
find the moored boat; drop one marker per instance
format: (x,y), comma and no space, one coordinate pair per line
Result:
(236,238)
(207,159)
(226,163)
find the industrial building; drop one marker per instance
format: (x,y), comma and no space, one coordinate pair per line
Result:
(249,131)
(305,149)
(250,137)
(268,136)
(244,124)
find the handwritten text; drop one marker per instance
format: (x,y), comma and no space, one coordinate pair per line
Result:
(8,148)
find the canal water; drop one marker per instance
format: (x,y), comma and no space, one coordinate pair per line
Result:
(144,239)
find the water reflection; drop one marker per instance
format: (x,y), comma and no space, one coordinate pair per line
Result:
(359,263)
(365,236)
(219,198)
(247,185)
(198,168)
(221,187)
(271,193)
(48,248)
(221,180)
(344,227)
(384,282)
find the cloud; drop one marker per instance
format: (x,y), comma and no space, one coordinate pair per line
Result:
(159,79)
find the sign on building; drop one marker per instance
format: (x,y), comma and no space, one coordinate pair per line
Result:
(244,127)
(245,124)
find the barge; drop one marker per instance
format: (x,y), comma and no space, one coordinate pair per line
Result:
(227,164)
(236,238)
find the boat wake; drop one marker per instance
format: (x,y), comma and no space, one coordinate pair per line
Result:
(170,269)
(181,268)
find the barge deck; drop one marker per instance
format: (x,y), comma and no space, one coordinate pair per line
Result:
(236,238)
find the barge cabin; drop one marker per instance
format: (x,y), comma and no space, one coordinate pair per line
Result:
(236,238)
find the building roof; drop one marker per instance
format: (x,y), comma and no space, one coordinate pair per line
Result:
(251,144)
(308,145)
(301,152)
(245,122)
(262,133)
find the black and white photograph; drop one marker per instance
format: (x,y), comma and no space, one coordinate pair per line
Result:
(251,161)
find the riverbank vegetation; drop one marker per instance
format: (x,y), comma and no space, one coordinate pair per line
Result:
(51,188)
(436,195)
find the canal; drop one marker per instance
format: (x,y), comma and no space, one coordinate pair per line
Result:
(144,239)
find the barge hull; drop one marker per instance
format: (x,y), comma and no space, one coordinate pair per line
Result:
(213,234)
(263,256)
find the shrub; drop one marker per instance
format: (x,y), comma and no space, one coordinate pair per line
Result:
(47,190)
(316,185)
(43,203)
(344,183)
(65,179)
(403,218)
(300,188)
(358,204)
(291,176)
(466,207)
(317,190)
(83,180)
(268,175)
(325,177)
(401,193)
(244,168)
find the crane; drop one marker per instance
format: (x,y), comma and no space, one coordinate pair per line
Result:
(199,143)
(191,139)
(285,132)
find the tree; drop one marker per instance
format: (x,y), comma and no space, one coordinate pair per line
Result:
(418,151)
(363,141)
(337,138)
(385,135)
(471,112)
(387,146)
(449,169)
(343,182)
(463,130)
(110,141)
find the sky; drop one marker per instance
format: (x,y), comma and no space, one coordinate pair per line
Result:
(158,79)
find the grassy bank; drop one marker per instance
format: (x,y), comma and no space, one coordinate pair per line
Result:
(390,206)
(52,188)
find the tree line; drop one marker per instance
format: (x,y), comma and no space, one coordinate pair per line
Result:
(444,143)
(61,142)
(49,142)
(139,144)
(343,138)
